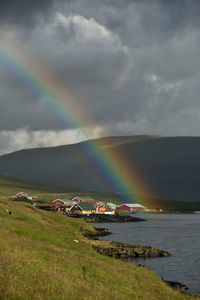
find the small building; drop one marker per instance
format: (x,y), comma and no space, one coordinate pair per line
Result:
(132,207)
(62,202)
(57,202)
(23,195)
(83,199)
(19,195)
(83,208)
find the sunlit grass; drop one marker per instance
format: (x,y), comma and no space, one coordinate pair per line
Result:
(39,259)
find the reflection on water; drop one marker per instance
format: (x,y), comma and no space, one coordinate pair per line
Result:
(175,233)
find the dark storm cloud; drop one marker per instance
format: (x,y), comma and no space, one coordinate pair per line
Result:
(23,11)
(167,18)
(155,13)
(133,65)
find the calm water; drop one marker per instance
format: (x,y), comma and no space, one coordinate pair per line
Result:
(178,234)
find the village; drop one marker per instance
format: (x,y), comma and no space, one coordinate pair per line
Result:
(81,206)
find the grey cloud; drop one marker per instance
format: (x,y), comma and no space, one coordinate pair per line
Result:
(133,65)
(82,53)
(155,14)
(14,140)
(156,17)
(23,12)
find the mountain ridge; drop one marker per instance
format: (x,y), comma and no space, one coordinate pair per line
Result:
(170,165)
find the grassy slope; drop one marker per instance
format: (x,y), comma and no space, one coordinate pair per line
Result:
(10,186)
(40,260)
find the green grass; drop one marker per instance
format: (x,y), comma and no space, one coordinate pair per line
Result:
(47,192)
(11,186)
(39,259)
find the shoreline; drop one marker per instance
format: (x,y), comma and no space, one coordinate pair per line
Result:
(124,251)
(102,218)
(121,250)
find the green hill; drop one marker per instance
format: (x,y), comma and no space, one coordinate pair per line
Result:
(44,255)
(169,165)
(10,186)
(46,192)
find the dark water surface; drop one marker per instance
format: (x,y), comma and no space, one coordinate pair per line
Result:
(178,234)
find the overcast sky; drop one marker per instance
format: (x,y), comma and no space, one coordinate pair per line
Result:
(132,66)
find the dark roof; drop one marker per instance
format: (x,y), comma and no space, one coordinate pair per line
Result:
(85,206)
(63,200)
(83,198)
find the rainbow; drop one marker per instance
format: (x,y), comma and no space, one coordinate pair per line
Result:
(113,169)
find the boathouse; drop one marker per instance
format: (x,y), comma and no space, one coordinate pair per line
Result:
(83,208)
(132,207)
(62,202)
(23,195)
(83,199)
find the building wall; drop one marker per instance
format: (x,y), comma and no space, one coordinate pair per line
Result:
(57,202)
(124,207)
(86,212)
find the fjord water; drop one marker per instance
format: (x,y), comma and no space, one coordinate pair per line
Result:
(178,234)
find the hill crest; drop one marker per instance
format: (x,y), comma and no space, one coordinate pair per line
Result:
(170,165)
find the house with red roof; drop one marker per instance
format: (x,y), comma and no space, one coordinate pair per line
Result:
(62,202)
(132,207)
(23,195)
(83,199)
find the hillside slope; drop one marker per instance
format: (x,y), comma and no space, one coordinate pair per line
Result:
(46,192)
(39,259)
(11,186)
(170,166)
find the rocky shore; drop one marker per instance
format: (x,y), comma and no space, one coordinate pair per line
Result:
(98,232)
(121,250)
(176,285)
(101,218)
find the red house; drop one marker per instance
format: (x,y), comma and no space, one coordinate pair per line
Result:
(83,199)
(22,194)
(62,202)
(132,207)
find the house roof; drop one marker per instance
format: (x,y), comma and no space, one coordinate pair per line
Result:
(83,198)
(21,193)
(63,200)
(132,205)
(111,204)
(85,206)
